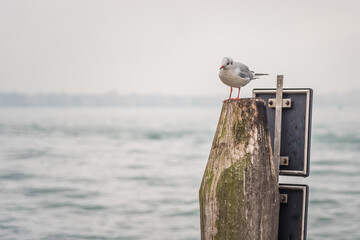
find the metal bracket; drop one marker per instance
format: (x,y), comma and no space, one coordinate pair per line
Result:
(284,161)
(278,117)
(283,198)
(286,103)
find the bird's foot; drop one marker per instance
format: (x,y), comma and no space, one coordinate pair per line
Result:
(227,100)
(236,98)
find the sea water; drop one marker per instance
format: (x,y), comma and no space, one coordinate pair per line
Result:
(134,173)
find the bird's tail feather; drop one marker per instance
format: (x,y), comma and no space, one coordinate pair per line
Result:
(257,75)
(260,74)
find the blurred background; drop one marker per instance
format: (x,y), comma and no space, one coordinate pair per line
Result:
(108,110)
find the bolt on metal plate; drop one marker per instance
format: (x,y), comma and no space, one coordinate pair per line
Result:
(286,103)
(284,161)
(283,198)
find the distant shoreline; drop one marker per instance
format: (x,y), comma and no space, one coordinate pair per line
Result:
(110,99)
(8,99)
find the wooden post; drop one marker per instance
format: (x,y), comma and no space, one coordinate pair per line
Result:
(239,196)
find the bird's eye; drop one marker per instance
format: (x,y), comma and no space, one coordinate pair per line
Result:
(227,63)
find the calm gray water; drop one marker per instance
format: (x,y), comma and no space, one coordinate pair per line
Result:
(118,173)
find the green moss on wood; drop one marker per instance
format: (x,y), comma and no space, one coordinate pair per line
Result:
(210,180)
(223,131)
(241,132)
(229,195)
(202,213)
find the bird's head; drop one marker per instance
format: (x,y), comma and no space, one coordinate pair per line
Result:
(226,63)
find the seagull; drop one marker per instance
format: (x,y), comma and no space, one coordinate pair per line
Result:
(236,74)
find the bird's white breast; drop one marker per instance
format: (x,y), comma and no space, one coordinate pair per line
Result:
(232,79)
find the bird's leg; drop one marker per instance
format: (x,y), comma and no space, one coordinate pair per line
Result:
(230,92)
(229,96)
(238,94)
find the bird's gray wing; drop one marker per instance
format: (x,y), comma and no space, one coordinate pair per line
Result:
(244,71)
(243,75)
(242,66)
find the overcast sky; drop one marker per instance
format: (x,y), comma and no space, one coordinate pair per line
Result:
(176,47)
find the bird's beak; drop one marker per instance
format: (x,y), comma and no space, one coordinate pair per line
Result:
(221,67)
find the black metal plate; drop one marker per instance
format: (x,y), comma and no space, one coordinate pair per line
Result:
(295,129)
(293,214)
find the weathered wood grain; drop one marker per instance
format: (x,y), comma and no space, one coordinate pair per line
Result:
(239,196)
